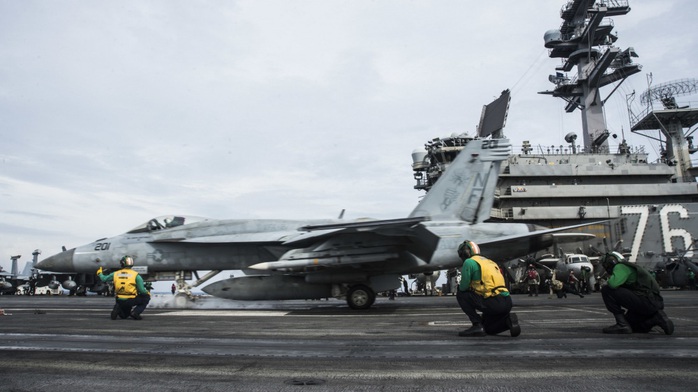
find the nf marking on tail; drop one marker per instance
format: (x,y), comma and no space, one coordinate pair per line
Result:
(466,189)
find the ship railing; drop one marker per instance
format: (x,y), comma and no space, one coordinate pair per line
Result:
(555,155)
(570,8)
(656,105)
(607,22)
(614,3)
(567,82)
(568,34)
(502,213)
(635,118)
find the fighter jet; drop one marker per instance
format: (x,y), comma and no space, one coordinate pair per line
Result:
(285,259)
(7,284)
(14,282)
(33,281)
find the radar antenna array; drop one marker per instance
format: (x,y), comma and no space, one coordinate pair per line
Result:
(666,91)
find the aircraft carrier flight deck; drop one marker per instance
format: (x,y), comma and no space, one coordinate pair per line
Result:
(408,344)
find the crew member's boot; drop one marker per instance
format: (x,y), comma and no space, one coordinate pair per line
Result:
(475,330)
(115,312)
(513,324)
(136,316)
(664,322)
(621,326)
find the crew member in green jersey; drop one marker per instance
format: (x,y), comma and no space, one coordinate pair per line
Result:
(632,288)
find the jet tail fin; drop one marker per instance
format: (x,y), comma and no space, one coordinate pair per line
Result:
(27,271)
(465,191)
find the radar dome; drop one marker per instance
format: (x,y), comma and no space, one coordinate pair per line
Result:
(552,37)
(418,156)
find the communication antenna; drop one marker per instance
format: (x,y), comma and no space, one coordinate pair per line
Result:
(629,99)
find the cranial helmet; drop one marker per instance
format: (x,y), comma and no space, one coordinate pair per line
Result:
(468,249)
(611,260)
(126,261)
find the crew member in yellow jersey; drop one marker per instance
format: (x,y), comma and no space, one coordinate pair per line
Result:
(482,288)
(131,295)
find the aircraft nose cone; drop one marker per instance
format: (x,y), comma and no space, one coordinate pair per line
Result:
(61,262)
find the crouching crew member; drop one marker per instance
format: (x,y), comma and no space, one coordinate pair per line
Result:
(633,288)
(131,295)
(482,288)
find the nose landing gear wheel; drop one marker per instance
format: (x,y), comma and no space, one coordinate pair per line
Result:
(181,301)
(360,297)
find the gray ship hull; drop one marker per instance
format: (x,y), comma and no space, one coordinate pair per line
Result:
(650,217)
(647,232)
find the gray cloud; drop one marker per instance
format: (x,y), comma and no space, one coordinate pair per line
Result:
(115,112)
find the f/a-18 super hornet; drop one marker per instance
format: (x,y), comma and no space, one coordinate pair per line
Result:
(285,259)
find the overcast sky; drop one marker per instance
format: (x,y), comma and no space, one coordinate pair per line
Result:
(114,112)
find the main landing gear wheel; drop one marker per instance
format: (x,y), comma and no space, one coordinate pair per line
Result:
(360,297)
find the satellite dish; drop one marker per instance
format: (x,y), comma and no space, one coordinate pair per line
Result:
(571,137)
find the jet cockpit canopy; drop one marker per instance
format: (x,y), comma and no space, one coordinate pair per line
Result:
(575,259)
(165,222)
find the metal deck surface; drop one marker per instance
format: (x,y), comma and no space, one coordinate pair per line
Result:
(61,343)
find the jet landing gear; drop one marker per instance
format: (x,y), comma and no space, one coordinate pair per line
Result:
(360,297)
(183,296)
(182,300)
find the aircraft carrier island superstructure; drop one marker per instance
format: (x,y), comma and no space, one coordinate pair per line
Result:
(651,206)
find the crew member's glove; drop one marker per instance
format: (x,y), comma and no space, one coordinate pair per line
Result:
(99,271)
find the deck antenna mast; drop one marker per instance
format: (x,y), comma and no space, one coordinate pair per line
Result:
(585,41)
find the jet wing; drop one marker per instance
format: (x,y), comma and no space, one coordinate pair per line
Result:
(368,224)
(332,245)
(408,233)
(252,237)
(562,238)
(305,235)
(388,227)
(310,237)
(535,240)
(354,243)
